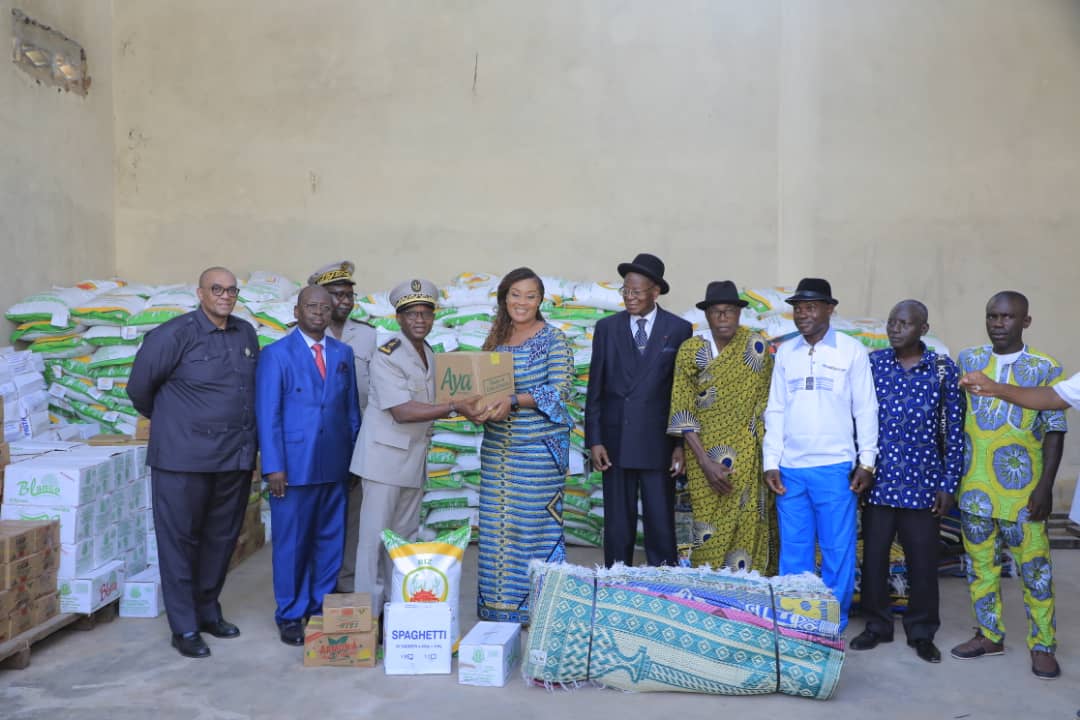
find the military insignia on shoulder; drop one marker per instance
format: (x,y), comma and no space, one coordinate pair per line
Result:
(390,346)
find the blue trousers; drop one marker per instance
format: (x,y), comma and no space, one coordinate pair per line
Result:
(308,547)
(819,509)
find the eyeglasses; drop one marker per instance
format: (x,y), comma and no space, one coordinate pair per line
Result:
(315,307)
(418,314)
(341,295)
(636,294)
(232,291)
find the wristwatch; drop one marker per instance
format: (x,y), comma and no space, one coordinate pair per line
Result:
(514,404)
(868,468)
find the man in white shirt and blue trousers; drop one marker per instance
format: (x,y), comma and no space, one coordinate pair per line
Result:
(816,464)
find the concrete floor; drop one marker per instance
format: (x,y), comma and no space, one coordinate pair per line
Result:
(127,670)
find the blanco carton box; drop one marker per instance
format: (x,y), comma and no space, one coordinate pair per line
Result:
(105,546)
(77,559)
(76,523)
(488,653)
(141,596)
(151,548)
(97,589)
(135,559)
(417,639)
(126,535)
(52,480)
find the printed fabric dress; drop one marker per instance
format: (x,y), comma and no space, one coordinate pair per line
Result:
(523,463)
(722,399)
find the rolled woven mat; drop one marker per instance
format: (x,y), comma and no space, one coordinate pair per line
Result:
(683,630)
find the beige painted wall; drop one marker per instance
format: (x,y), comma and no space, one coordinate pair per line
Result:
(56,160)
(902,149)
(919,149)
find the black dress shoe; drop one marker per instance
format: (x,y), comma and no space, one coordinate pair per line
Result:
(190,644)
(220,628)
(926,649)
(868,640)
(292,632)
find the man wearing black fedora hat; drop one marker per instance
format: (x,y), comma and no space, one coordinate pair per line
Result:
(817,467)
(626,415)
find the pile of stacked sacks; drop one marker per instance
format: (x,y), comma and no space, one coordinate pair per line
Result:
(89,334)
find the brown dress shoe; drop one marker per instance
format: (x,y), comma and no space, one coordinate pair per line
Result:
(1044,665)
(977,647)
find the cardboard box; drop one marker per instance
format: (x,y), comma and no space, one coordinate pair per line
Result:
(347,612)
(7,604)
(135,560)
(97,589)
(45,607)
(76,560)
(142,429)
(22,618)
(417,638)
(5,622)
(49,480)
(28,568)
(464,374)
(141,595)
(20,538)
(5,450)
(105,546)
(488,654)
(151,548)
(76,522)
(337,649)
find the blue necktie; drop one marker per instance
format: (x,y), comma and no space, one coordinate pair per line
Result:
(640,338)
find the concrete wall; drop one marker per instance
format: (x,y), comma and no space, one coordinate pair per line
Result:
(56,159)
(919,149)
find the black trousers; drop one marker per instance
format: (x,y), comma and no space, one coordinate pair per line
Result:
(621,487)
(197,519)
(919,536)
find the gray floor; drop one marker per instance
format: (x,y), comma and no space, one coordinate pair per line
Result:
(126,670)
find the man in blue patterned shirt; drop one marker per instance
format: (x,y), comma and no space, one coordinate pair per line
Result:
(920,459)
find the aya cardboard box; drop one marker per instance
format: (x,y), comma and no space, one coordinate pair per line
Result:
(459,375)
(100,587)
(141,595)
(54,479)
(77,559)
(45,607)
(347,612)
(488,654)
(323,648)
(76,523)
(417,638)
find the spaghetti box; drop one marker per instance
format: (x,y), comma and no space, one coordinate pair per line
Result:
(332,649)
(99,588)
(141,596)
(417,638)
(488,654)
(347,612)
(465,374)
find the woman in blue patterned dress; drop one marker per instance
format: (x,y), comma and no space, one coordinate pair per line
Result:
(525,453)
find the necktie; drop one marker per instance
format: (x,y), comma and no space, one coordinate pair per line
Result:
(319,362)
(640,338)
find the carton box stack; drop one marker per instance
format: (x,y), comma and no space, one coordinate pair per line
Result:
(23,395)
(93,494)
(252,532)
(28,562)
(344,636)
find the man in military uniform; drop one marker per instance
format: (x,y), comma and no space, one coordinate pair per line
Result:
(391,452)
(194,377)
(337,278)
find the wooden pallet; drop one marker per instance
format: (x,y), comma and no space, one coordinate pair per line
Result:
(15,653)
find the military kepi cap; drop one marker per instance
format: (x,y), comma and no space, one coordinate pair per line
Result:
(413,292)
(338,272)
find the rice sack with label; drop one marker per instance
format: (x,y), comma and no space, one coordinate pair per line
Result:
(429,571)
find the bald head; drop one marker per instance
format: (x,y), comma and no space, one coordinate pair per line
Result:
(207,275)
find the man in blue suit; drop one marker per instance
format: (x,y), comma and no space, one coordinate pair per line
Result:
(308,415)
(626,415)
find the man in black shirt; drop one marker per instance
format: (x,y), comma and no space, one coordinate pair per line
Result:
(194,377)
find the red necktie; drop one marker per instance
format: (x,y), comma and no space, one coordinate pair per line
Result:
(319,362)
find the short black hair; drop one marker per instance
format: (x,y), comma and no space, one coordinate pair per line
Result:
(1012,296)
(918,307)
